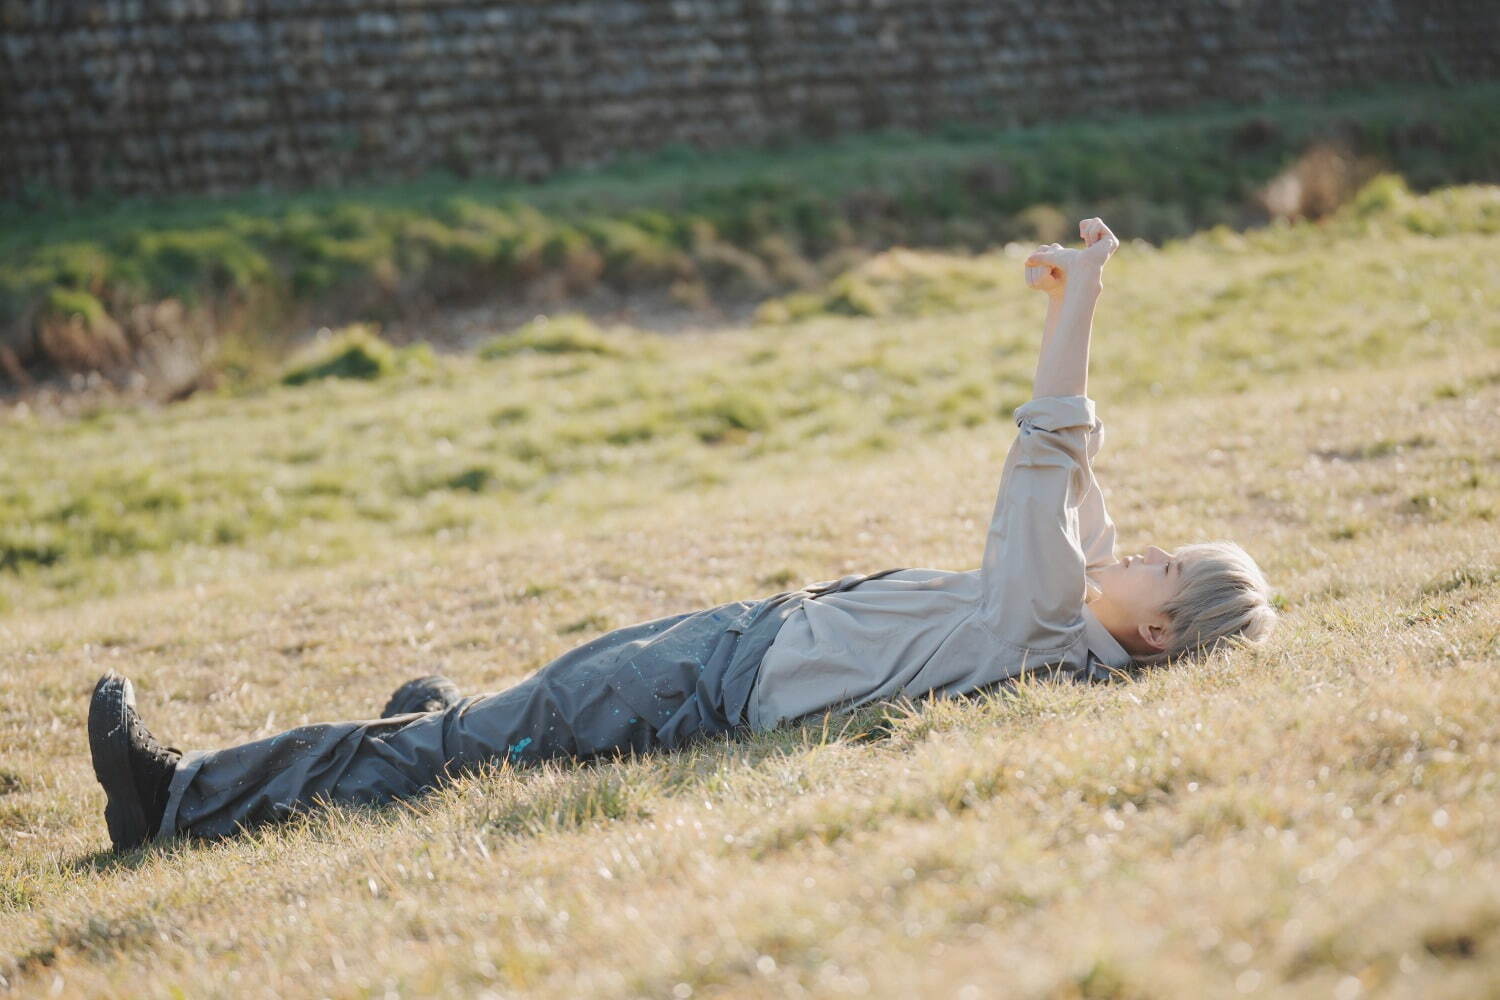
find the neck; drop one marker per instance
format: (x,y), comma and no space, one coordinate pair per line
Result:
(1125,632)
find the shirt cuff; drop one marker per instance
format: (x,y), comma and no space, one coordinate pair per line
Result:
(1053,413)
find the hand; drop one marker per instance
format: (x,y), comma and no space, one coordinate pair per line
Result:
(1049,267)
(1098,241)
(1052,279)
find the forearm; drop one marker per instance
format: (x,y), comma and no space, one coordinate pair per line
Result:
(1049,325)
(1062,367)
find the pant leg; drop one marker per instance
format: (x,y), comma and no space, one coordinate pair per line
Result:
(616,694)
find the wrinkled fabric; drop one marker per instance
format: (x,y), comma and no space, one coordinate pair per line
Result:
(665,683)
(930,631)
(658,685)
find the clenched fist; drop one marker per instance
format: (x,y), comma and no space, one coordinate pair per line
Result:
(1050,266)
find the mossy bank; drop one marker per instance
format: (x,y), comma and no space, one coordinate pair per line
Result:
(186,292)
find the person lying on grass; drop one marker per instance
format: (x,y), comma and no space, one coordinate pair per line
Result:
(1049,597)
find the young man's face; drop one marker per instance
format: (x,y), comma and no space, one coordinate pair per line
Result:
(1133,592)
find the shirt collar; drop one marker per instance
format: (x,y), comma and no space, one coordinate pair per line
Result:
(1105,647)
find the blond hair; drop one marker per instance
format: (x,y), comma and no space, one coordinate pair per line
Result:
(1223,599)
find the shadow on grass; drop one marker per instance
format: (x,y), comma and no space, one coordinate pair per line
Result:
(110,861)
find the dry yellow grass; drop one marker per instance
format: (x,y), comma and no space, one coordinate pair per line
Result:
(1316,818)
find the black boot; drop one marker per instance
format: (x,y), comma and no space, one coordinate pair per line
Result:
(422,694)
(134,768)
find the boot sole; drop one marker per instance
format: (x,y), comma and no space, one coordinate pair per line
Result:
(109,745)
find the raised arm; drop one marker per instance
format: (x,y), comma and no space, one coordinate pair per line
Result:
(1062,364)
(1037,552)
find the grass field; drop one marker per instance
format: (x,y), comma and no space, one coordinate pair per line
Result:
(1314,818)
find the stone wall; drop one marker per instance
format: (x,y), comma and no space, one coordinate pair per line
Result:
(160,96)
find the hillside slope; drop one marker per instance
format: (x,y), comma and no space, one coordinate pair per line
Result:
(1309,819)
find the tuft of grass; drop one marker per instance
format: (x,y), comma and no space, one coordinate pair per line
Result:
(718,413)
(17,555)
(1461,578)
(510,414)
(588,623)
(474,479)
(590,798)
(72,303)
(569,333)
(355,352)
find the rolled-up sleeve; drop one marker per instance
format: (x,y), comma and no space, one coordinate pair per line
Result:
(1034,556)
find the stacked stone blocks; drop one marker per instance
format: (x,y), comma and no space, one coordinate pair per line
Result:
(174,96)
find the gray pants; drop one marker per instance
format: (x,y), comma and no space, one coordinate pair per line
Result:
(658,685)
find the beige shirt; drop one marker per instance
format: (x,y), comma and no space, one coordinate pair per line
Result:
(928,630)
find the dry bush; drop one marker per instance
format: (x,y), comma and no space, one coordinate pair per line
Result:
(1324,178)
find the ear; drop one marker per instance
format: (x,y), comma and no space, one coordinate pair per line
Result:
(1154,636)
